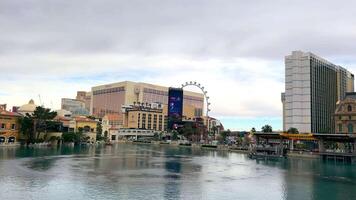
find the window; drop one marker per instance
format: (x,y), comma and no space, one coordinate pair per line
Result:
(349,108)
(3,126)
(86,129)
(13,126)
(350,128)
(350,117)
(340,128)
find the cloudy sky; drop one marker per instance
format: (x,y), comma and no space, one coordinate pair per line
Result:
(234,48)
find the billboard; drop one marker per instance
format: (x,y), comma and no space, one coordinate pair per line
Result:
(175,106)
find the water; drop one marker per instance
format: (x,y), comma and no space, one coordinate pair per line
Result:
(156,172)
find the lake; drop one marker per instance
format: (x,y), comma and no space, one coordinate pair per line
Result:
(134,171)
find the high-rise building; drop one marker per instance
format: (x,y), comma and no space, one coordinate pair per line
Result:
(108,99)
(76,107)
(313,85)
(85,97)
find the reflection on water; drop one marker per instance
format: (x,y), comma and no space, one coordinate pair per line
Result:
(157,172)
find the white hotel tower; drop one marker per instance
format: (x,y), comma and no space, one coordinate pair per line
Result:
(313,85)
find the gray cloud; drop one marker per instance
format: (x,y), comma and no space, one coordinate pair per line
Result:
(267,29)
(234,47)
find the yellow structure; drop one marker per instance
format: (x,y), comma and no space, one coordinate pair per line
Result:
(9,126)
(150,117)
(299,136)
(84,124)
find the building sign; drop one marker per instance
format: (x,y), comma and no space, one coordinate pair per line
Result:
(175,106)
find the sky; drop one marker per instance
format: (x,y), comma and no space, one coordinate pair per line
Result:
(234,48)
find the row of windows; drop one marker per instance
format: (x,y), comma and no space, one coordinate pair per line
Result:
(153,91)
(103,112)
(340,117)
(3,126)
(193,98)
(159,92)
(110,90)
(116,122)
(134,131)
(142,123)
(350,128)
(323,95)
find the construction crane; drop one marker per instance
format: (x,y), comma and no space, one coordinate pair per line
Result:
(39,97)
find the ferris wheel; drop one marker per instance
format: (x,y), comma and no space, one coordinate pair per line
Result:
(198,85)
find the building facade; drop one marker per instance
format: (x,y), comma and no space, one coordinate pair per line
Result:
(9,126)
(145,116)
(345,115)
(84,97)
(111,123)
(76,107)
(85,125)
(108,99)
(313,85)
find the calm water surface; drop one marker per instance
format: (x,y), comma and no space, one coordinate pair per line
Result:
(154,172)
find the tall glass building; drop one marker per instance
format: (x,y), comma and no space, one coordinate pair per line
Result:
(313,85)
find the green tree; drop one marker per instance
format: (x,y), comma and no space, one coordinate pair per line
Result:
(40,117)
(223,135)
(77,138)
(69,137)
(267,128)
(189,131)
(293,130)
(99,132)
(174,135)
(26,127)
(39,121)
(156,136)
(253,130)
(80,130)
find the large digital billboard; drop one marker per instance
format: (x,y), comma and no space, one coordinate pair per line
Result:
(175,106)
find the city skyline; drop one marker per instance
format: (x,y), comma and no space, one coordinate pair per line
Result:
(235,49)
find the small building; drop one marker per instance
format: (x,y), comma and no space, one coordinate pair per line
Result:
(65,122)
(85,125)
(110,121)
(64,113)
(345,115)
(213,125)
(144,116)
(9,126)
(131,134)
